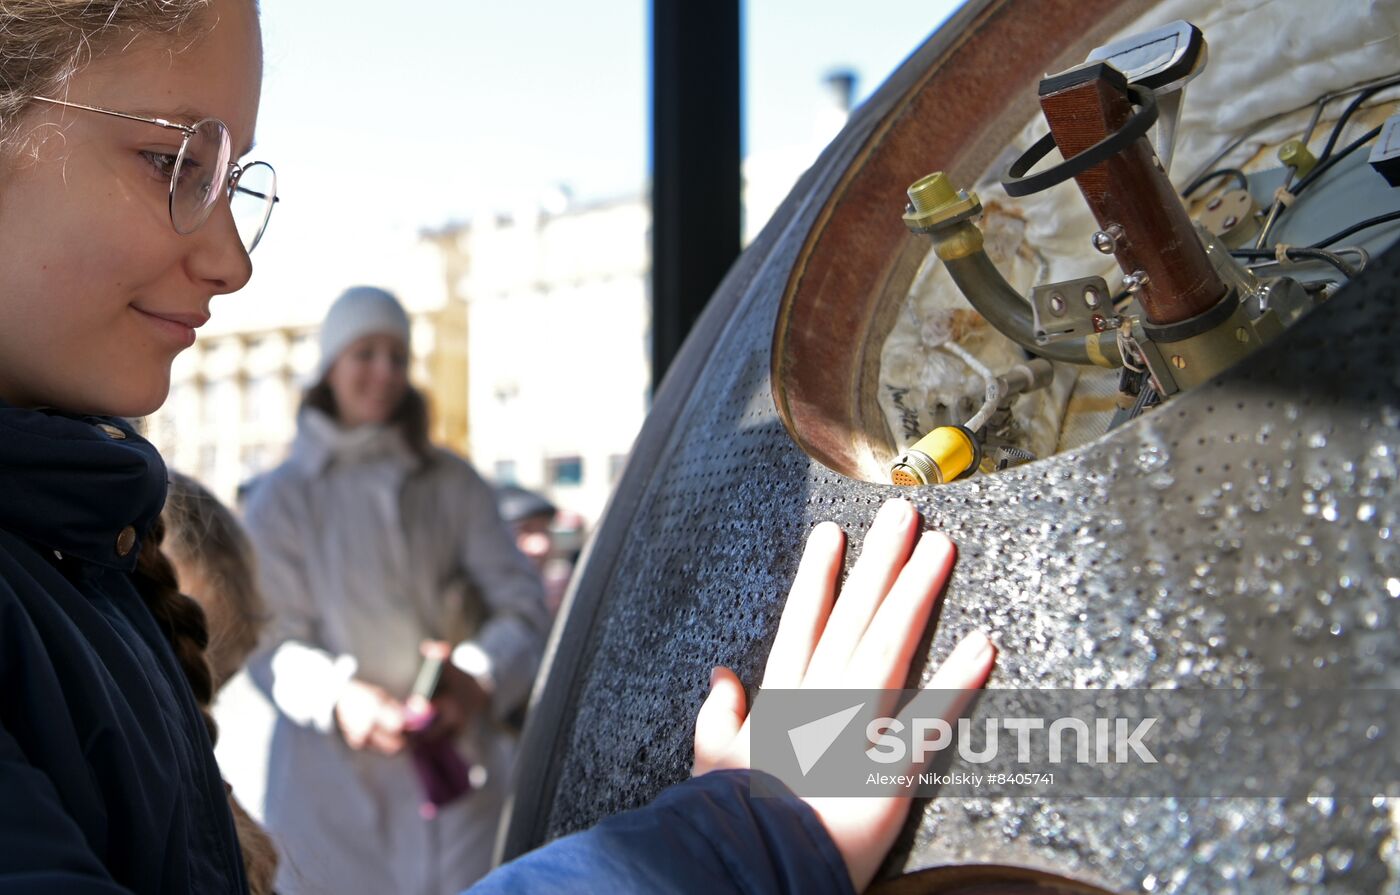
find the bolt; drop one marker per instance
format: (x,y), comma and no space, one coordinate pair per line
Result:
(1106,240)
(1231,221)
(1213,204)
(1091,297)
(1178,361)
(1241,334)
(1135,280)
(1057,304)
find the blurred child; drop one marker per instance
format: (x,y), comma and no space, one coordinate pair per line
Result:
(214,564)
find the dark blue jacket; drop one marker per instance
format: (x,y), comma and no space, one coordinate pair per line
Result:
(107,777)
(705,836)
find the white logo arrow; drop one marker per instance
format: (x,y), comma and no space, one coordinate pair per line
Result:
(811,740)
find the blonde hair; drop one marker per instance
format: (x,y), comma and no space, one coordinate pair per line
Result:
(201,537)
(43,44)
(205,541)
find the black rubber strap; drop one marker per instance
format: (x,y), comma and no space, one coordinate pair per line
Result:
(1194,326)
(1017,184)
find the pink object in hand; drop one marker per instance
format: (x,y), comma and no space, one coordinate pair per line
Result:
(444,774)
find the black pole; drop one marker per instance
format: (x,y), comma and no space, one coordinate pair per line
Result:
(695,164)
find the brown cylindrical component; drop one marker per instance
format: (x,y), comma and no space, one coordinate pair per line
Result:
(1131,190)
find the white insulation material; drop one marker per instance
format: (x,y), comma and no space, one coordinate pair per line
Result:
(1269,60)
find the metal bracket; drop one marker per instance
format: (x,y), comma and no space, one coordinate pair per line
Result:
(1072,309)
(1161,60)
(1157,366)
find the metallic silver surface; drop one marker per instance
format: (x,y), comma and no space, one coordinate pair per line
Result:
(1242,535)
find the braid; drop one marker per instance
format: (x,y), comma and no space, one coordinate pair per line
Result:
(182,621)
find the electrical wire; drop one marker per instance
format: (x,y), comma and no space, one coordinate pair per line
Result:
(993,394)
(1278,207)
(1356,228)
(1367,89)
(1332,258)
(1323,167)
(1205,178)
(1342,121)
(1317,103)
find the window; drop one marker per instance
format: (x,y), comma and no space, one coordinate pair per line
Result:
(505,473)
(564,470)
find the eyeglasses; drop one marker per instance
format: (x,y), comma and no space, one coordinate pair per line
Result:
(203,170)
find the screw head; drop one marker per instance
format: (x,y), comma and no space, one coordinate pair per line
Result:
(1241,334)
(1178,361)
(1107,239)
(1057,304)
(1135,280)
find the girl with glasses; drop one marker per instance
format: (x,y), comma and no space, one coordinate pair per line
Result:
(123,211)
(119,127)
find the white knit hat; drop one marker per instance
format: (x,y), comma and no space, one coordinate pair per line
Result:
(360,311)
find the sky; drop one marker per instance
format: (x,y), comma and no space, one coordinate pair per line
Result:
(381,125)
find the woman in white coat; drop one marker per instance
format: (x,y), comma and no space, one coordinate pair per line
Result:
(375,549)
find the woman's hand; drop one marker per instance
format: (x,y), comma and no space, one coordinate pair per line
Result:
(458,702)
(866,641)
(369,718)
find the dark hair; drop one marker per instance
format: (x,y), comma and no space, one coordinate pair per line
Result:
(410,417)
(516,504)
(182,622)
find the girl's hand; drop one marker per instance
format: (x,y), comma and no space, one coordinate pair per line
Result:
(369,718)
(866,641)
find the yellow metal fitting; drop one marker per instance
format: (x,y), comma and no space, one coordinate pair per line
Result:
(939,457)
(1298,157)
(1102,349)
(934,203)
(959,240)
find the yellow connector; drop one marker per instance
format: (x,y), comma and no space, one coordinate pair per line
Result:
(1297,156)
(945,454)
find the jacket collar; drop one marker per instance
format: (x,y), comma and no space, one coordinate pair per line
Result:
(321,442)
(87,486)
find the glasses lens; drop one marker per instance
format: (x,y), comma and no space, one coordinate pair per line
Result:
(198,178)
(254,194)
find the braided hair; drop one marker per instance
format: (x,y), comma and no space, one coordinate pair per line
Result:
(182,621)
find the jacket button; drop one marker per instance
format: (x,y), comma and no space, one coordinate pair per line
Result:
(112,431)
(126,539)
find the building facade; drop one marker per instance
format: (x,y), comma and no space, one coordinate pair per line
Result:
(558,322)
